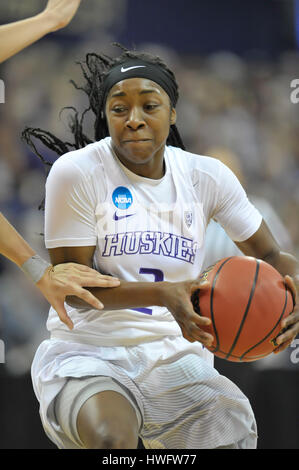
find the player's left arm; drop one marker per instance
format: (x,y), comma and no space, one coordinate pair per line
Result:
(262,245)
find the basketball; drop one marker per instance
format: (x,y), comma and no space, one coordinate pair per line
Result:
(246,301)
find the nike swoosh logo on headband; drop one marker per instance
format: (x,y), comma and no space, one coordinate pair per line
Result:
(123,69)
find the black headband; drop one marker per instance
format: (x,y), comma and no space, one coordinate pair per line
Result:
(134,68)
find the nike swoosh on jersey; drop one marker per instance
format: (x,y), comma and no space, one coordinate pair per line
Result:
(123,69)
(119,217)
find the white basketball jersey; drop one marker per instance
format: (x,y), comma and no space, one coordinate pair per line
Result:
(143,229)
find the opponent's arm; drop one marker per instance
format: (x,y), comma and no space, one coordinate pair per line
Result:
(175,296)
(12,245)
(54,283)
(262,245)
(18,35)
(127,295)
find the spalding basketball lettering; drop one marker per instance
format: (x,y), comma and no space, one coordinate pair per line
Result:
(204,274)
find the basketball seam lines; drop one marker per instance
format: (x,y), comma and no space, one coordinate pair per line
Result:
(246,310)
(251,358)
(278,321)
(211,304)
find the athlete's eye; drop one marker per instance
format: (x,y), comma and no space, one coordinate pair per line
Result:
(150,107)
(119,109)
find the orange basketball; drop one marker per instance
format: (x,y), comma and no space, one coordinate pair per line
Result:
(246,301)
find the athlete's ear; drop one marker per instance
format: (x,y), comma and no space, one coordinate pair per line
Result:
(172,116)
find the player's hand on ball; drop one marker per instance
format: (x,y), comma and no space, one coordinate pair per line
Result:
(290,324)
(69,279)
(61,12)
(177,299)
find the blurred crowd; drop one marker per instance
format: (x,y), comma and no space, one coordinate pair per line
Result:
(231,108)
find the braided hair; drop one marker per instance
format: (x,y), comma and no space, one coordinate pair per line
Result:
(94,70)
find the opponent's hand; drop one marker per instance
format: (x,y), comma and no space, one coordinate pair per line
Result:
(61,12)
(290,324)
(69,279)
(177,299)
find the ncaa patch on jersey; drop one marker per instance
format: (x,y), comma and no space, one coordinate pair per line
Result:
(122,198)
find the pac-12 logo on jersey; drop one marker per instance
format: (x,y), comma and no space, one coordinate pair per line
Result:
(122,198)
(188,218)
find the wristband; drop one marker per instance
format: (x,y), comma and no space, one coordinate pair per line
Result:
(35,268)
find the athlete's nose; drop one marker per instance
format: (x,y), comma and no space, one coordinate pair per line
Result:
(135,120)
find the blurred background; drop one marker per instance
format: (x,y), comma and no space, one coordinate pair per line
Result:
(234,62)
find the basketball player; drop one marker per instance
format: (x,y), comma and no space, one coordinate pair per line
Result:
(135,204)
(67,279)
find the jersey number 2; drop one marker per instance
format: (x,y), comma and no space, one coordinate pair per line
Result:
(158,277)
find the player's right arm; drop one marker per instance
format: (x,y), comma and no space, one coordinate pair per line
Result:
(175,296)
(18,35)
(55,283)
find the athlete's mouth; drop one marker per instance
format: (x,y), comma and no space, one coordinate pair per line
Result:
(136,140)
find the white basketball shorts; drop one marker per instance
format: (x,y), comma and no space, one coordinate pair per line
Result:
(181,401)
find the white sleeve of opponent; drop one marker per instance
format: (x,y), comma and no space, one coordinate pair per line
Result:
(69,206)
(237,215)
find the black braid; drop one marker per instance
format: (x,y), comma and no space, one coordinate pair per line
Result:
(175,139)
(94,70)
